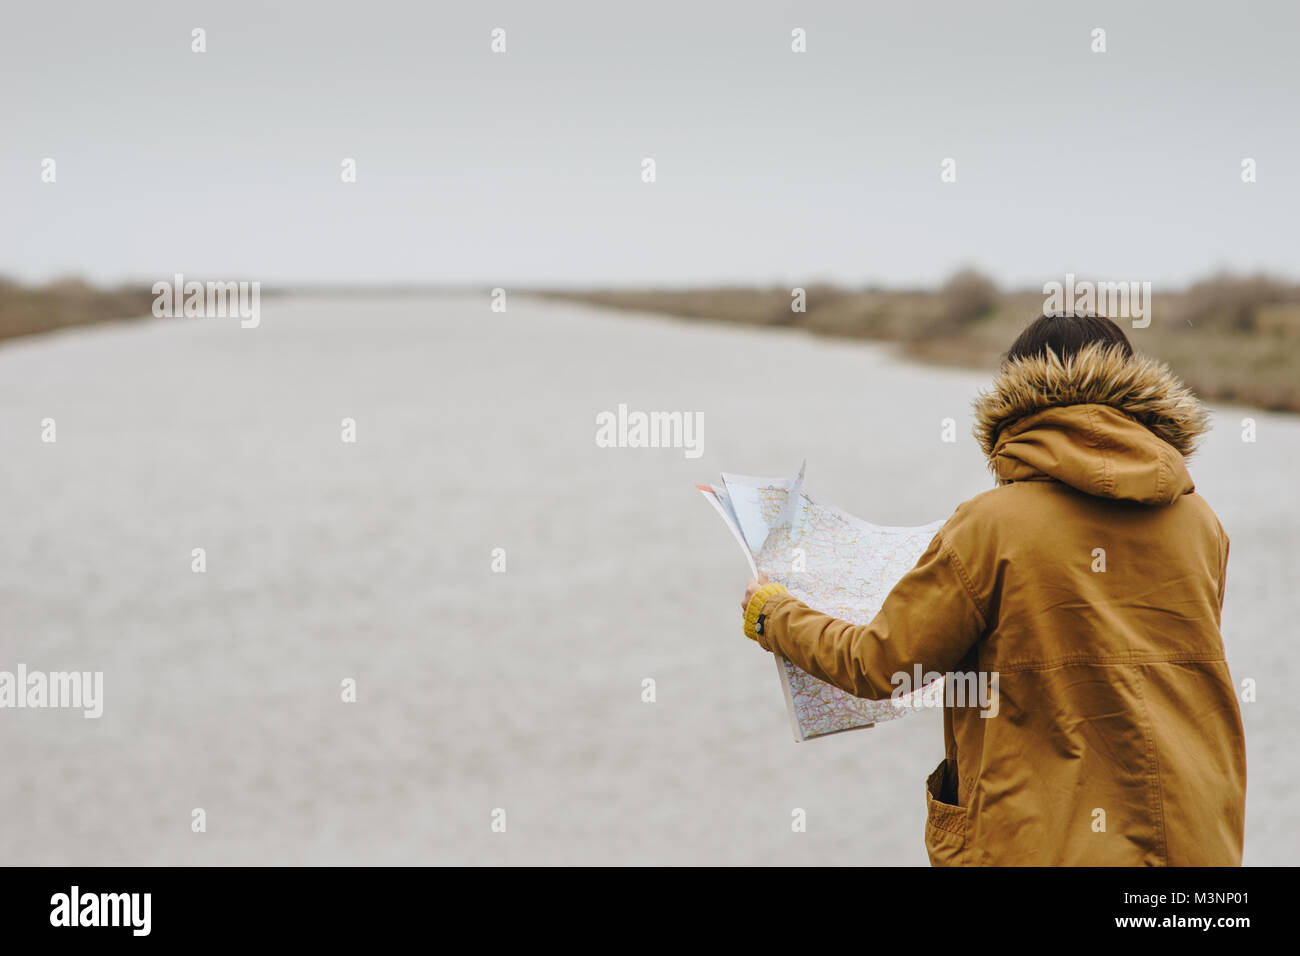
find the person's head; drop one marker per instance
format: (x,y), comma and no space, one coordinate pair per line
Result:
(1067,334)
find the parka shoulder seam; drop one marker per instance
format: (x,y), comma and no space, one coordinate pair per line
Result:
(964,577)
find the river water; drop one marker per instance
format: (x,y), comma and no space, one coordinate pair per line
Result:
(476,690)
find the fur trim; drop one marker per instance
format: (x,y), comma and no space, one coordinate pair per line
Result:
(1138,386)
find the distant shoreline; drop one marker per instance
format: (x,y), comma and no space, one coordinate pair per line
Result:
(1232,339)
(67,303)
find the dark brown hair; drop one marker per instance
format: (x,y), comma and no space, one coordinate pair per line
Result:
(1067,334)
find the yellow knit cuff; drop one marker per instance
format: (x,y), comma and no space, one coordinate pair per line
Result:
(755,608)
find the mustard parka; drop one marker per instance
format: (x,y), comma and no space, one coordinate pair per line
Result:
(1090,582)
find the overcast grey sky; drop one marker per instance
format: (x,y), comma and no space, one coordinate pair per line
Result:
(525,167)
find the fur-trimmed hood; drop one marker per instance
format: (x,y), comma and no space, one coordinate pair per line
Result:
(1138,386)
(1090,403)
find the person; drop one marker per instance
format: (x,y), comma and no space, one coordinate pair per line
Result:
(1086,588)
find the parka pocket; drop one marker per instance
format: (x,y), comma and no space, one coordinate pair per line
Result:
(945,823)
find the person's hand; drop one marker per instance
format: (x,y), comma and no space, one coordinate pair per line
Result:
(750,588)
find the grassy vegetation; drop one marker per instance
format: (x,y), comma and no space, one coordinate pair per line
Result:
(26,310)
(1232,338)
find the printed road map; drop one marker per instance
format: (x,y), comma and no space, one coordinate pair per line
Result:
(833,562)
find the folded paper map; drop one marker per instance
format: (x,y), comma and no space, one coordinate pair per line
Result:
(833,562)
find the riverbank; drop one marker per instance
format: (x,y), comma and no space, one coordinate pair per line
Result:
(30,310)
(1233,339)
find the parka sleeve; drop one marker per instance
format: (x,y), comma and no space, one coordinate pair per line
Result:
(932,617)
